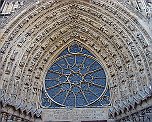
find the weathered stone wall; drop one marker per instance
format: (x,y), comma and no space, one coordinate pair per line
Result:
(75,114)
(34,35)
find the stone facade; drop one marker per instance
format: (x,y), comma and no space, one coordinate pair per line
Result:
(119,33)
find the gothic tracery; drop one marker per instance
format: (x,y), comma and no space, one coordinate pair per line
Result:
(113,33)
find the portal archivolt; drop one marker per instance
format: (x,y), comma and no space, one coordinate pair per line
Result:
(40,32)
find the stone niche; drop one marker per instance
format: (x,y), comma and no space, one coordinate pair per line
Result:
(76,115)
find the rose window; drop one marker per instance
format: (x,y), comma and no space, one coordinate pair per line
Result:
(75,79)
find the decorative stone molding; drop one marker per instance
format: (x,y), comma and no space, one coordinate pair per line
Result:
(144,115)
(131,102)
(37,35)
(18,105)
(143,8)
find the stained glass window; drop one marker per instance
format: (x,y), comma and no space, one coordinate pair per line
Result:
(75,79)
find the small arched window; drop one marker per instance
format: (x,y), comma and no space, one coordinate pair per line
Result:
(75,79)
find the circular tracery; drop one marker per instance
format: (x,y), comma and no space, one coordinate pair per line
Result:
(120,79)
(76,79)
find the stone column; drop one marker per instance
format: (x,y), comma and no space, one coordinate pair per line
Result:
(4,117)
(19,119)
(14,119)
(0,117)
(9,119)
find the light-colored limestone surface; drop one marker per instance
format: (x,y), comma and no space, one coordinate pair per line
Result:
(118,32)
(75,114)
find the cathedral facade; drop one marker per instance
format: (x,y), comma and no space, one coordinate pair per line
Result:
(75,61)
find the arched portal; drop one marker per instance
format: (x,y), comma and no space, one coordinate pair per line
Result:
(32,41)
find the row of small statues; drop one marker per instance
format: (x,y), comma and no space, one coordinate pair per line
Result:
(9,7)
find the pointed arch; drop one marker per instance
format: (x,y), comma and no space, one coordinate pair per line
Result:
(38,33)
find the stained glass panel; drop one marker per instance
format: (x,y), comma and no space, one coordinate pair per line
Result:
(76,79)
